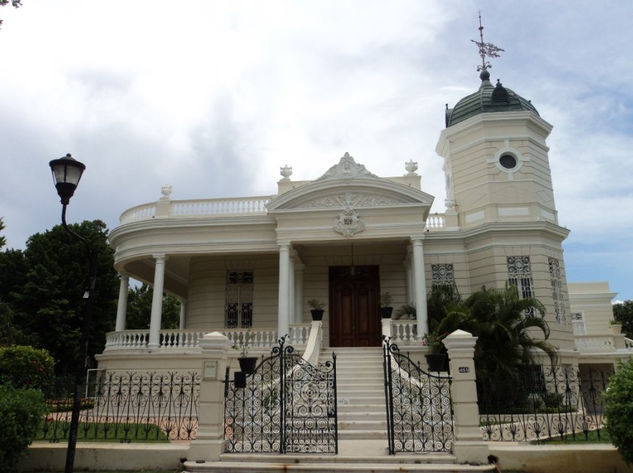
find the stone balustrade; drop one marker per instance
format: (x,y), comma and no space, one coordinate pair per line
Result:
(181,339)
(436,222)
(628,343)
(198,208)
(215,207)
(404,331)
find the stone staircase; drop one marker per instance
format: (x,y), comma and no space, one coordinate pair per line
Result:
(361,394)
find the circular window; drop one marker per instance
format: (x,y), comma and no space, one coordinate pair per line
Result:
(508,161)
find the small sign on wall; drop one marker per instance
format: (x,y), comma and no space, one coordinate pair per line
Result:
(463,369)
(210,370)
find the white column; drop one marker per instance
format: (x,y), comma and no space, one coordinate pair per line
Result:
(183,312)
(291,291)
(284,263)
(419,286)
(410,282)
(121,309)
(298,293)
(157,302)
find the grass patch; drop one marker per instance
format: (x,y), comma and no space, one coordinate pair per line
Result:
(103,432)
(592,437)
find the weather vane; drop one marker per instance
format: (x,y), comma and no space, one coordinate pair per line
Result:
(485,49)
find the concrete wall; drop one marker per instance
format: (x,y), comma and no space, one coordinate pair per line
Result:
(579,458)
(44,456)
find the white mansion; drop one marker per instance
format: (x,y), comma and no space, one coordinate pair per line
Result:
(349,236)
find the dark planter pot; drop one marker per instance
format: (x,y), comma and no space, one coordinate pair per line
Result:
(317,314)
(385,312)
(239,378)
(248,364)
(437,361)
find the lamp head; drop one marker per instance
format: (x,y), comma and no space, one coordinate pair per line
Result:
(66,175)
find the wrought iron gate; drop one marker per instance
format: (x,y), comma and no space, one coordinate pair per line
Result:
(287,406)
(419,408)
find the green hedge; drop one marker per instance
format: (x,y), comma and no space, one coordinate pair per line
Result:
(21,411)
(26,367)
(619,409)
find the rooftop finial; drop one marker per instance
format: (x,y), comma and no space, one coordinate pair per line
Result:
(485,50)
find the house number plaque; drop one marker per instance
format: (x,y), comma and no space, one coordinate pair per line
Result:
(464,369)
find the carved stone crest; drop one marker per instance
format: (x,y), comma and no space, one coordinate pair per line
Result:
(347,168)
(349,223)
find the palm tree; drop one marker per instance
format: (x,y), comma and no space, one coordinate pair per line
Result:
(505,326)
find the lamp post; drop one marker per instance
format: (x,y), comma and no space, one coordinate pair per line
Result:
(66,175)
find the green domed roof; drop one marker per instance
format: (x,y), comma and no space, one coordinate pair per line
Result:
(487,99)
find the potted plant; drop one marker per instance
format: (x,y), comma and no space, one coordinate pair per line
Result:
(405,312)
(241,343)
(316,309)
(436,358)
(385,305)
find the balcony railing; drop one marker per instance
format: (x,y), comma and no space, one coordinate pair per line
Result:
(199,208)
(182,339)
(595,343)
(218,207)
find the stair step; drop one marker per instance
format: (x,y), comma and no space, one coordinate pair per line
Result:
(351,465)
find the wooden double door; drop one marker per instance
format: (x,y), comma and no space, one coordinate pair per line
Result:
(354,306)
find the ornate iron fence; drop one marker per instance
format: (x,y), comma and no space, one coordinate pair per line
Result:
(419,408)
(286,406)
(543,402)
(131,406)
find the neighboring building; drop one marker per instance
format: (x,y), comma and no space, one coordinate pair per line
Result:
(348,236)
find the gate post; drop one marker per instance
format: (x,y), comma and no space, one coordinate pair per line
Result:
(468,446)
(209,441)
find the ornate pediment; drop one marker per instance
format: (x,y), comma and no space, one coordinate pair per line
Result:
(349,200)
(346,168)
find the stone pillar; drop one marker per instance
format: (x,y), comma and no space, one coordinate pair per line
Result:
(121,309)
(291,291)
(469,446)
(282,317)
(157,302)
(410,281)
(183,315)
(386,327)
(298,292)
(419,286)
(209,442)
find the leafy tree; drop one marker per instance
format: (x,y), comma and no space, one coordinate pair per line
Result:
(3,240)
(48,306)
(623,313)
(15,3)
(139,308)
(619,409)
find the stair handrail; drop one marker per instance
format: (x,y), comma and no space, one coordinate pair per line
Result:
(313,345)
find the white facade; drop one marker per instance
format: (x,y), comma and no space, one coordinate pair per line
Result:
(349,236)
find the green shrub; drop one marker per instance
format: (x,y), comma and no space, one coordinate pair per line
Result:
(21,411)
(26,367)
(619,409)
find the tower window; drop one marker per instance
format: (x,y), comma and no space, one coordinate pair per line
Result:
(520,276)
(508,161)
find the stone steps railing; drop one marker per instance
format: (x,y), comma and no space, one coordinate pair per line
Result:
(260,338)
(404,330)
(628,343)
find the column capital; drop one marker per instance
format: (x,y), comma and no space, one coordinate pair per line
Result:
(160,257)
(284,245)
(417,239)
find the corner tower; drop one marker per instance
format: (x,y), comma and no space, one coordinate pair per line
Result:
(499,197)
(495,158)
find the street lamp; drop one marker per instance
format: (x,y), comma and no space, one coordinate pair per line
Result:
(66,175)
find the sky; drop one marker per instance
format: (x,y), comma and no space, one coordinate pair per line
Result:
(213,97)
